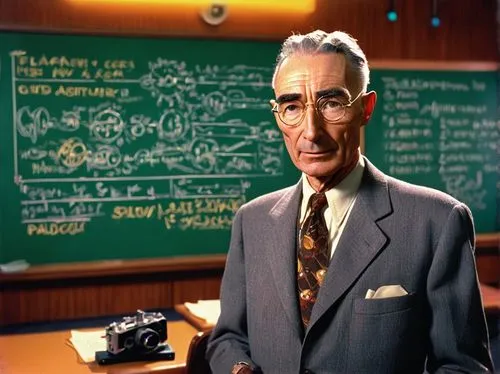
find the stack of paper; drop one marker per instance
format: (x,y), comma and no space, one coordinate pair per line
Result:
(87,343)
(209,310)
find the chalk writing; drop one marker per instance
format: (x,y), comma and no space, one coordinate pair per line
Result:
(197,214)
(104,158)
(52,229)
(438,127)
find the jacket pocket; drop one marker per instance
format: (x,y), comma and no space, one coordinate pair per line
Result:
(385,305)
(387,336)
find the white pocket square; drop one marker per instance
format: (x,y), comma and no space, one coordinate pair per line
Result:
(393,290)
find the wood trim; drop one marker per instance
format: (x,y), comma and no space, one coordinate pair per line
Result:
(491,299)
(487,268)
(198,323)
(116,267)
(154,265)
(434,65)
(488,240)
(133,34)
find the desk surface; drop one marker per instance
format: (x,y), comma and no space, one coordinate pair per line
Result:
(198,323)
(491,299)
(49,353)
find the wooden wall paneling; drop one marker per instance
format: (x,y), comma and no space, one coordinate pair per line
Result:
(53,300)
(67,299)
(460,36)
(488,268)
(90,289)
(190,289)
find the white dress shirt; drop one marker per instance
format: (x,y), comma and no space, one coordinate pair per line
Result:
(340,200)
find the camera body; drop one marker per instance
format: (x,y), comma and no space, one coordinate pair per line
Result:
(137,334)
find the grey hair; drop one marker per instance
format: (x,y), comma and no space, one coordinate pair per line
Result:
(321,42)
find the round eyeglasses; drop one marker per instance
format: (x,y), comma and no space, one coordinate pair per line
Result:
(330,108)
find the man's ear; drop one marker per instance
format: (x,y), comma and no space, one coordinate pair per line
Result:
(272,103)
(369,100)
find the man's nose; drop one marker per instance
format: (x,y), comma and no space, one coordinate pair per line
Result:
(312,124)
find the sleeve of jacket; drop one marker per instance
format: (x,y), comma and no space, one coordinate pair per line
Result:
(458,333)
(228,343)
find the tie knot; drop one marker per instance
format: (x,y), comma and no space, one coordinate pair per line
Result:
(317,201)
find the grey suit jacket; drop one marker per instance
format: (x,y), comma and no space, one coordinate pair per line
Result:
(397,233)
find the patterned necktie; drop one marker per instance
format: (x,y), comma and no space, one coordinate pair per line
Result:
(313,255)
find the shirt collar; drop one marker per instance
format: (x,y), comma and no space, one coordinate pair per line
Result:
(340,197)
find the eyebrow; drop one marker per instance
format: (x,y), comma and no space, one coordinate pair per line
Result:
(288,97)
(336,92)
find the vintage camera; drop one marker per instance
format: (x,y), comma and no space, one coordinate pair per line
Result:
(140,333)
(136,338)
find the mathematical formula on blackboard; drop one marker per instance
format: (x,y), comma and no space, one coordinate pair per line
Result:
(439,129)
(171,133)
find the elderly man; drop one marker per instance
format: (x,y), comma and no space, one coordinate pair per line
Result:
(350,270)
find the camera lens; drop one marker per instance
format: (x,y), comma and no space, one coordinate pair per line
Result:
(147,338)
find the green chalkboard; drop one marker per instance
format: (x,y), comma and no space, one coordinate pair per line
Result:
(125,148)
(118,148)
(440,129)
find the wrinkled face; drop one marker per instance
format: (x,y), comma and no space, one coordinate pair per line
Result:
(320,150)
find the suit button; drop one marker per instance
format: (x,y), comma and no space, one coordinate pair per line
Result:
(307,371)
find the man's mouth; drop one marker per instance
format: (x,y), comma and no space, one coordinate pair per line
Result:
(317,153)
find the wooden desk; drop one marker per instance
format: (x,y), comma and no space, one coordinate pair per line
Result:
(49,353)
(491,299)
(198,323)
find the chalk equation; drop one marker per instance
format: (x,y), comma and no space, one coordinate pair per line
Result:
(113,138)
(426,134)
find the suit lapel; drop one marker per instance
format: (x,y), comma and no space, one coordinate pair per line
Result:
(282,252)
(360,242)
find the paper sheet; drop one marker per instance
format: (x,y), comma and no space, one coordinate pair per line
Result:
(209,310)
(86,343)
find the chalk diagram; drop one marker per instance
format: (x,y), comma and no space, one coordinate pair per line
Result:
(173,132)
(197,128)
